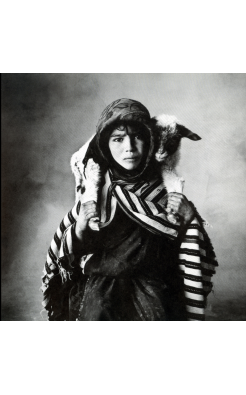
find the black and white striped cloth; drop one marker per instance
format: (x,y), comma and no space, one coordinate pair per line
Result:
(144,203)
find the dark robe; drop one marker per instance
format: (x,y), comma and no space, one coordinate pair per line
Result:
(132,275)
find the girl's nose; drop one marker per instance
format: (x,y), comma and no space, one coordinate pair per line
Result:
(129,144)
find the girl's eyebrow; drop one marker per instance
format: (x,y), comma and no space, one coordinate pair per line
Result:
(118,134)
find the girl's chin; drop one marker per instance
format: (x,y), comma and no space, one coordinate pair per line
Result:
(130,166)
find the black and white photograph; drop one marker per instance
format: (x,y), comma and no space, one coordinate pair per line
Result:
(123,167)
(123,197)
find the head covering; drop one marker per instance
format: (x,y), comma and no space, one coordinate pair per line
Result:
(122,111)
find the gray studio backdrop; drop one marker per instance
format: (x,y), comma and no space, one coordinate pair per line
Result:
(47,117)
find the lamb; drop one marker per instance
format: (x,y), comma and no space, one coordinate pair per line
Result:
(169,131)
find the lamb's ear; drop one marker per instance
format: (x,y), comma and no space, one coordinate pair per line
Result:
(184,132)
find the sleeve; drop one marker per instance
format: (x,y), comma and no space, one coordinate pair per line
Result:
(197,263)
(60,267)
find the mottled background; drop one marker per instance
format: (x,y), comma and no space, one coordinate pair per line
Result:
(47,117)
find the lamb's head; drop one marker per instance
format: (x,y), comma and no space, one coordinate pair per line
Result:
(168,132)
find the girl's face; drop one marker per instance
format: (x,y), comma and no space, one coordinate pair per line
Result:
(127,146)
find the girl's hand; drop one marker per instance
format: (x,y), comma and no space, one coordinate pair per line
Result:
(87,211)
(177,203)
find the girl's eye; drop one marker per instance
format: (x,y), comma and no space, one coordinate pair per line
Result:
(118,139)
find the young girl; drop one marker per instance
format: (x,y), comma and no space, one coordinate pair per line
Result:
(136,264)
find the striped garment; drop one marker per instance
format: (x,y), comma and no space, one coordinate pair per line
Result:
(143,202)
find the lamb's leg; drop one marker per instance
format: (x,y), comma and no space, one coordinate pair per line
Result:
(173,183)
(92,184)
